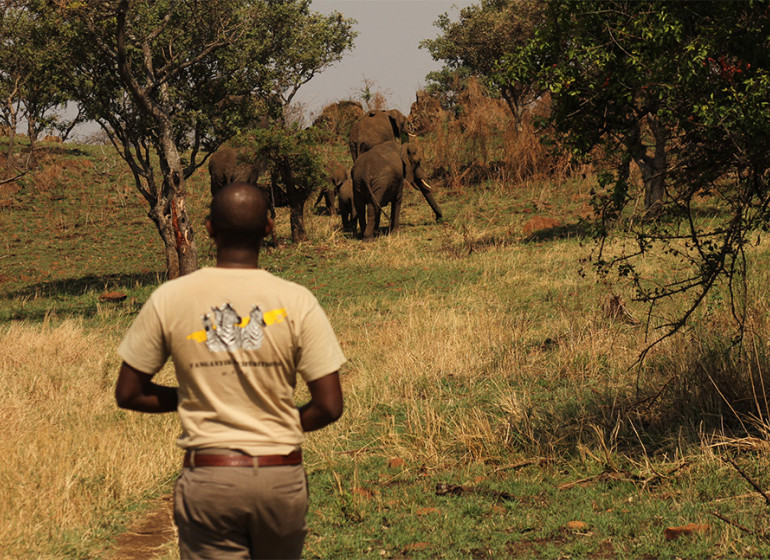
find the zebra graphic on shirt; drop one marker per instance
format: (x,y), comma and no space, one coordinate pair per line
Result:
(228,326)
(224,331)
(213,342)
(253,334)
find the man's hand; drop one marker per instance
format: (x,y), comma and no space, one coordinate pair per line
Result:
(325,404)
(136,391)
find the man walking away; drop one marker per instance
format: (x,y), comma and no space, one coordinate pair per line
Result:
(238,337)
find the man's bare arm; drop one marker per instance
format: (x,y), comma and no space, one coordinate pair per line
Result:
(136,391)
(325,404)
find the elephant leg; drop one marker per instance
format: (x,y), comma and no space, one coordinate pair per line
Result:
(348,217)
(395,215)
(371,221)
(329,194)
(377,215)
(361,219)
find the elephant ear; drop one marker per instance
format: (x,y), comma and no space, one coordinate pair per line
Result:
(407,163)
(398,124)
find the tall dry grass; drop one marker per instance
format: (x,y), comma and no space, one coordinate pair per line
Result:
(482,143)
(454,365)
(71,459)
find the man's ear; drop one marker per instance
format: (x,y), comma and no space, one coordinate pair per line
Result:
(269,225)
(209,228)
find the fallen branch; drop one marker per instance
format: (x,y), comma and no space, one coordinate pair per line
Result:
(658,476)
(734,524)
(4,181)
(606,475)
(748,479)
(443,489)
(521,464)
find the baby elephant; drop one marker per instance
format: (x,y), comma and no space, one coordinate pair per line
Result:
(347,208)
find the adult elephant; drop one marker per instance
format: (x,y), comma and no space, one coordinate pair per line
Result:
(375,128)
(336,174)
(347,207)
(378,180)
(228,165)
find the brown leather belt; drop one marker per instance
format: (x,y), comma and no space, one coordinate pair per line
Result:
(192,459)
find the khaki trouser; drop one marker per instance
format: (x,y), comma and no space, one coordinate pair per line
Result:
(241,512)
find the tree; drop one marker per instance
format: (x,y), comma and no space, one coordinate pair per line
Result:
(475,45)
(303,43)
(295,160)
(681,89)
(170,81)
(608,68)
(32,67)
(14,67)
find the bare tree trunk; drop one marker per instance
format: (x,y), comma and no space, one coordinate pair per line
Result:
(169,209)
(653,167)
(11,133)
(180,238)
(161,220)
(517,111)
(31,132)
(654,171)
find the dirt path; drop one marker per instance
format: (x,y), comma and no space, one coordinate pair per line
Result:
(147,538)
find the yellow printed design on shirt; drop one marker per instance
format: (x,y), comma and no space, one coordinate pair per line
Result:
(228,331)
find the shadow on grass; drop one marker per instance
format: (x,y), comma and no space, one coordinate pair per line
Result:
(579,229)
(89,283)
(704,388)
(36,314)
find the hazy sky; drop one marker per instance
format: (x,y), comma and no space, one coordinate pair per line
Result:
(386,50)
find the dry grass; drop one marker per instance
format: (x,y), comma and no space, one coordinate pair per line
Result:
(483,144)
(69,455)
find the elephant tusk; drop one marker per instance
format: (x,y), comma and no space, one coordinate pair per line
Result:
(427,186)
(410,135)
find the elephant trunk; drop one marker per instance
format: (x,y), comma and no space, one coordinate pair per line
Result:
(425,190)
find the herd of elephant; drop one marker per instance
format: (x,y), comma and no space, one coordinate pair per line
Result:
(382,166)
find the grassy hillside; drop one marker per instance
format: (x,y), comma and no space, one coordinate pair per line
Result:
(491,410)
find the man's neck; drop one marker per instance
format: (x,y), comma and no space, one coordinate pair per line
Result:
(237,258)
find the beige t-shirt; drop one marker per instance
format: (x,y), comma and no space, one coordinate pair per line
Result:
(238,339)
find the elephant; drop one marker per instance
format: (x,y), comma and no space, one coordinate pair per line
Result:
(378,180)
(336,174)
(228,165)
(336,119)
(375,128)
(347,207)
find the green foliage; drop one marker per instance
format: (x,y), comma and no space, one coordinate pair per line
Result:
(32,67)
(474,45)
(288,147)
(296,45)
(680,89)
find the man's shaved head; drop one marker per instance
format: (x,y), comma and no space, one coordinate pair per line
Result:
(238,215)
